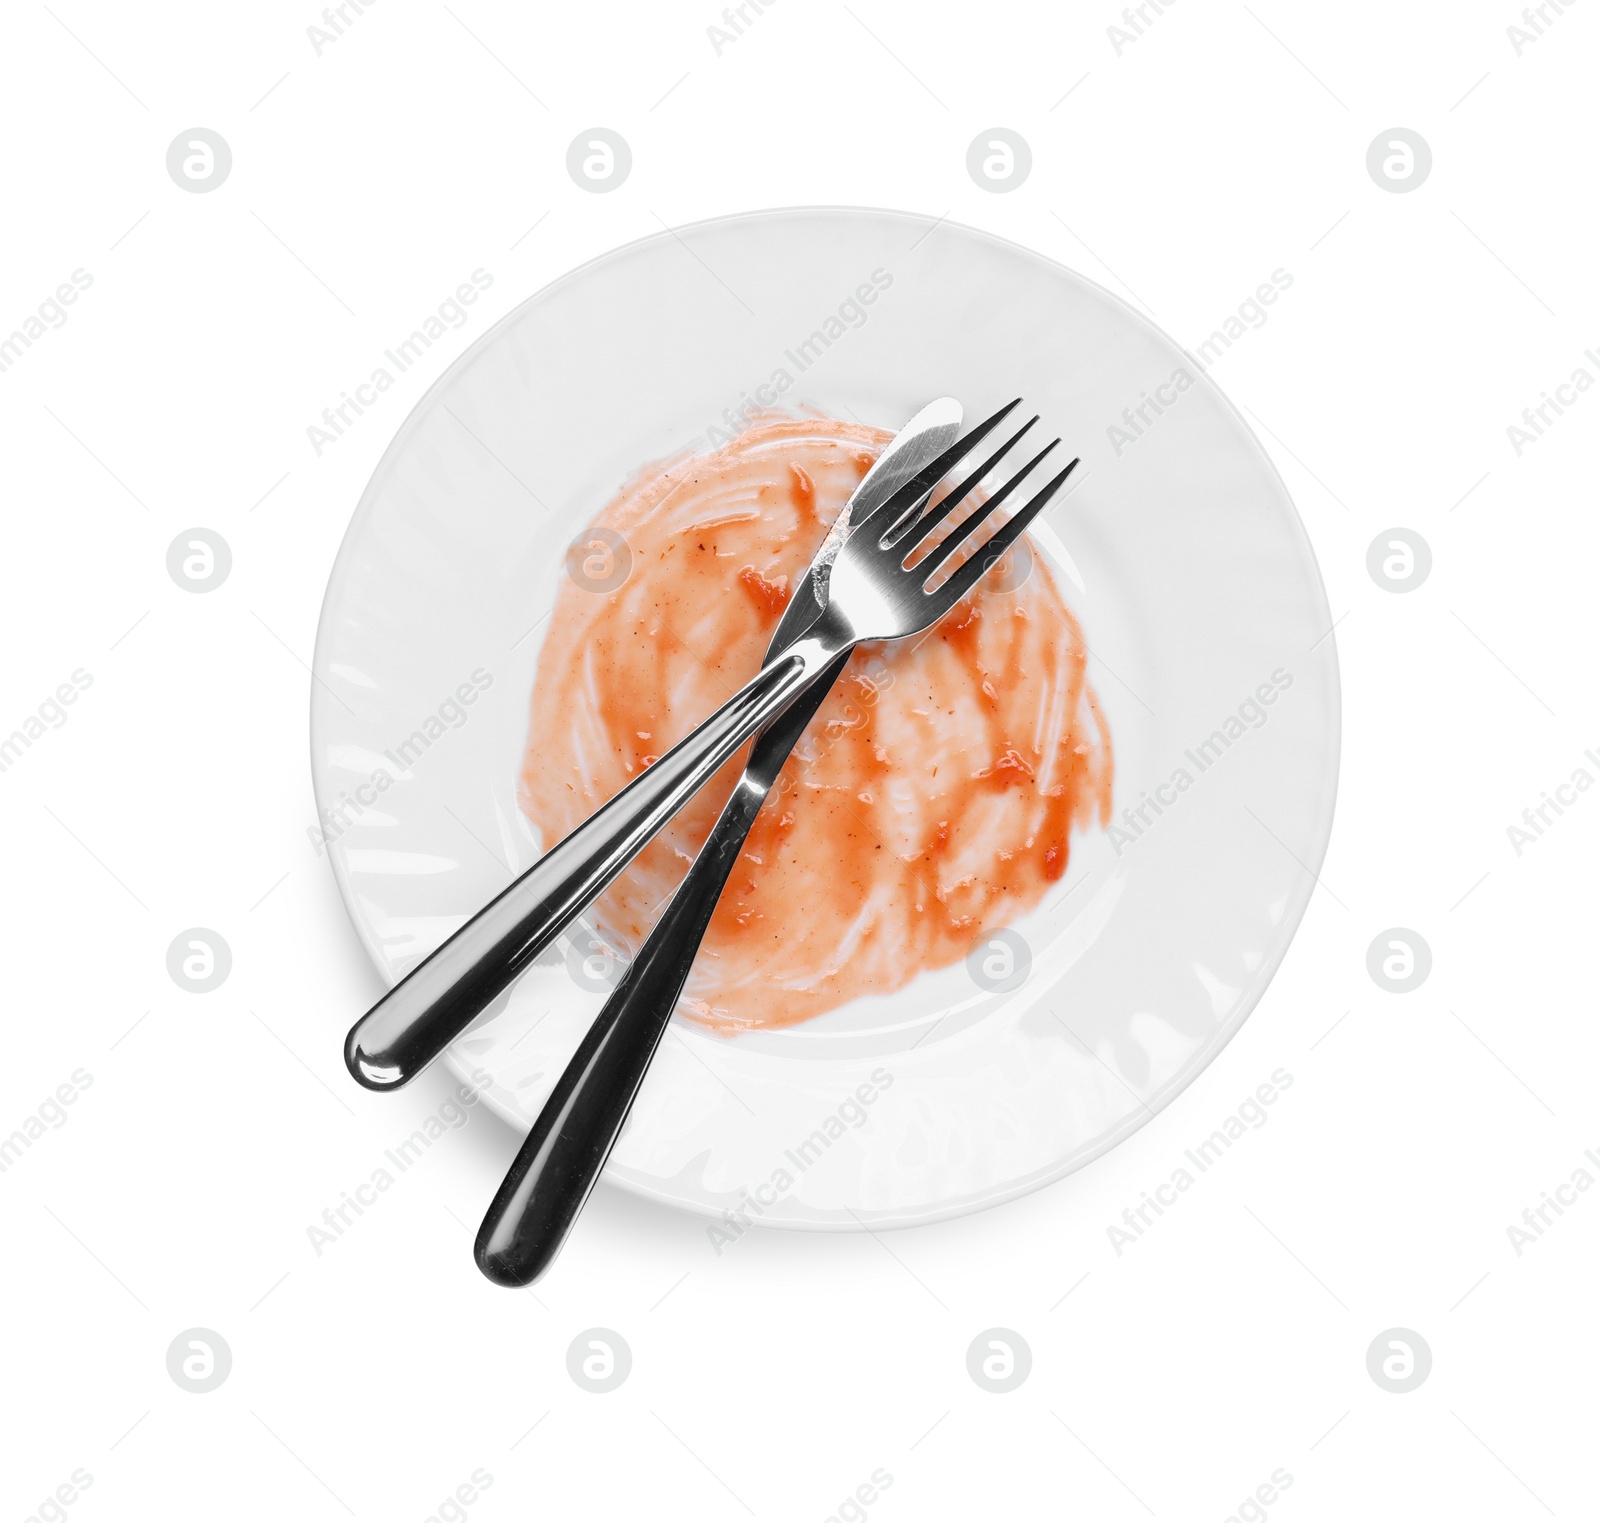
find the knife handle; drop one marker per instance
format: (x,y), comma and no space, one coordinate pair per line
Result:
(417,1019)
(582,1118)
(561,1158)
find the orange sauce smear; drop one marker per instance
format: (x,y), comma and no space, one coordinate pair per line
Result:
(932,798)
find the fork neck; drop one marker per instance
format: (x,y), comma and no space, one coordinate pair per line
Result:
(821,640)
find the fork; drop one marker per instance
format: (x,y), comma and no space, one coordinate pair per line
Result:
(417,1019)
(878,589)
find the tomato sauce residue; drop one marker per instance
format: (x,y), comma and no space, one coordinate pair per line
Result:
(933,796)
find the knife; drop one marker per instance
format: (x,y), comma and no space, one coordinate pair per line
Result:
(561,1159)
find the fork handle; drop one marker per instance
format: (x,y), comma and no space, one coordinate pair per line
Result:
(417,1019)
(562,1156)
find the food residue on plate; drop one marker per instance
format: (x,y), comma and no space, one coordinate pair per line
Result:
(931,799)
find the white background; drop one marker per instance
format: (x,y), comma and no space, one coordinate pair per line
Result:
(770,1381)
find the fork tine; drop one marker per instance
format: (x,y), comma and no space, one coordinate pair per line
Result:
(962,533)
(909,499)
(952,499)
(966,576)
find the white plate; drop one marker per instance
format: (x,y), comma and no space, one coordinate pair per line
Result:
(1179,550)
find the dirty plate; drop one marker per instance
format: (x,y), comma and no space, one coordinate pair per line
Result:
(1179,550)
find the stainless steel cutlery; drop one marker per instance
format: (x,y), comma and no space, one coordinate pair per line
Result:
(897,560)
